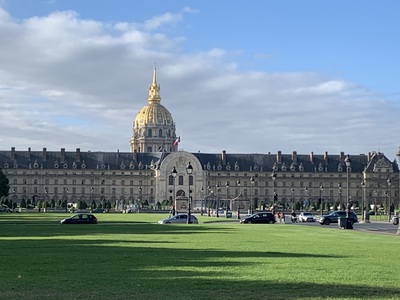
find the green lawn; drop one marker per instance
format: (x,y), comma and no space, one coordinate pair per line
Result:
(129,256)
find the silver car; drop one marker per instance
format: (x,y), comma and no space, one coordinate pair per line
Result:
(179,219)
(306,217)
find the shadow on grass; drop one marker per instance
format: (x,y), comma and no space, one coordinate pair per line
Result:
(165,273)
(138,268)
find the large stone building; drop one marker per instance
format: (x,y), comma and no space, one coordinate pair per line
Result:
(145,177)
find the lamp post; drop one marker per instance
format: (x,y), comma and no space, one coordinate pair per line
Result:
(66,199)
(174,173)
(238,204)
(208,205)
(202,200)
(306,202)
(91,194)
(273,176)
(252,203)
(340,196)
(139,199)
(363,214)
(189,170)
(321,188)
(348,204)
(216,193)
(389,183)
(292,190)
(227,197)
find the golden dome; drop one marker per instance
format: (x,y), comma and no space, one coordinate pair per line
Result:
(154,113)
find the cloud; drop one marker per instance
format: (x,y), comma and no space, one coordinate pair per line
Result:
(69,82)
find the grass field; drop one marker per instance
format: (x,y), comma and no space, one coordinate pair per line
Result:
(129,256)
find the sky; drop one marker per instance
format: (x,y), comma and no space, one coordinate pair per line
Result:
(255,76)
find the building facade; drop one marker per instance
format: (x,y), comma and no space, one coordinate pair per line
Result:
(154,174)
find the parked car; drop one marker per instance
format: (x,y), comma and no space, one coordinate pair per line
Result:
(5,209)
(306,217)
(80,219)
(98,210)
(334,216)
(259,218)
(179,219)
(219,211)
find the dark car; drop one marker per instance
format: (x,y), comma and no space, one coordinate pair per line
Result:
(80,219)
(259,218)
(334,216)
(97,210)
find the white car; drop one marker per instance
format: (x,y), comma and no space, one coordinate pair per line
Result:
(306,217)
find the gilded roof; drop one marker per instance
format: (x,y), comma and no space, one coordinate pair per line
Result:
(153,113)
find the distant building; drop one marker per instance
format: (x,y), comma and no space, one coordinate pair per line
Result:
(143,177)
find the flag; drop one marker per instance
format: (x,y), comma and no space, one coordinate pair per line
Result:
(178,139)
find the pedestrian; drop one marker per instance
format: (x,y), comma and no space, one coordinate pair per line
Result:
(283,217)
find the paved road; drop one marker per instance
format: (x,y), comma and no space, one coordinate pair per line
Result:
(374,226)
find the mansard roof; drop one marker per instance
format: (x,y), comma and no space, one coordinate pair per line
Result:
(78,160)
(254,162)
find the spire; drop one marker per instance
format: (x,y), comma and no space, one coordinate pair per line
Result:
(154,90)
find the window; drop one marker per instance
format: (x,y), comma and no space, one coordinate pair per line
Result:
(149,133)
(160,132)
(180,180)
(190,180)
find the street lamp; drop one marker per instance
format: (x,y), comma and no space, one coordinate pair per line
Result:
(216,193)
(321,188)
(292,190)
(202,201)
(364,211)
(347,160)
(139,199)
(306,202)
(189,170)
(210,191)
(174,173)
(238,204)
(340,196)
(389,183)
(227,196)
(252,203)
(273,176)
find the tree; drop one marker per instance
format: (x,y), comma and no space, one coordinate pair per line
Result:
(4,185)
